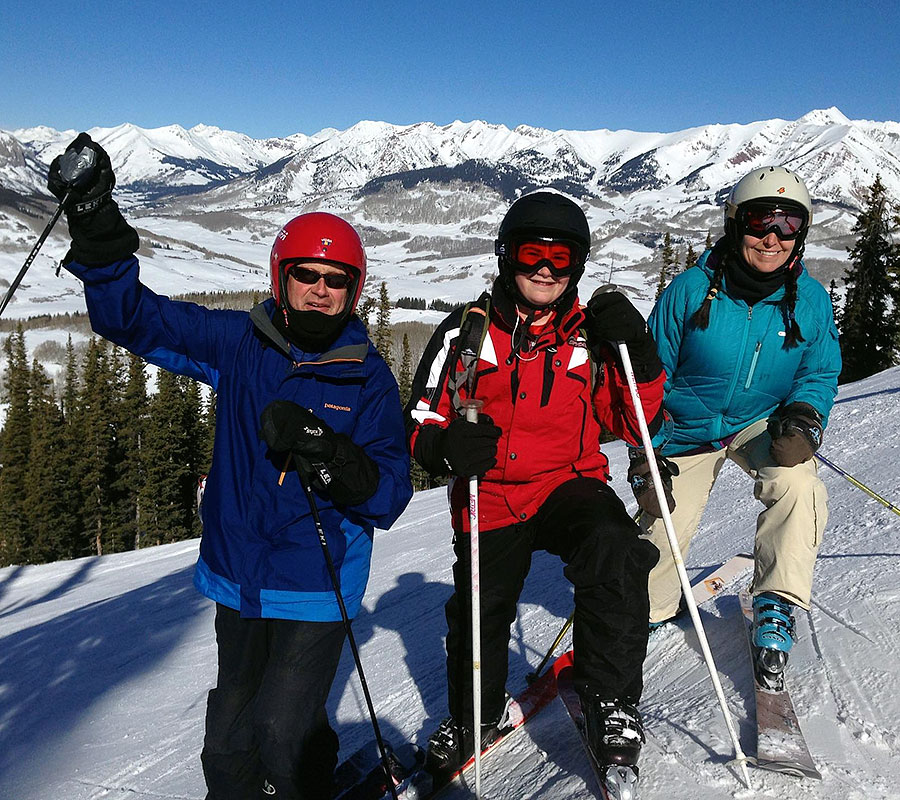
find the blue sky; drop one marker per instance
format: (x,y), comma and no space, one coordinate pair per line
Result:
(275,68)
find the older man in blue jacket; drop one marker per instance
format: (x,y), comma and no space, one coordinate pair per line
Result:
(299,369)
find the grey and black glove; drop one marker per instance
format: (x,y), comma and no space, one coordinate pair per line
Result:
(641,481)
(796,431)
(330,461)
(611,317)
(462,448)
(83,177)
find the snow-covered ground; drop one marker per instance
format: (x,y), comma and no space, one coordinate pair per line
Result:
(105,662)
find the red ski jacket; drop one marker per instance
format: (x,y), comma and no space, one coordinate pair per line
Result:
(551,400)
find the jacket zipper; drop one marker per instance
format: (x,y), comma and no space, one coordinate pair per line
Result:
(753,364)
(737,369)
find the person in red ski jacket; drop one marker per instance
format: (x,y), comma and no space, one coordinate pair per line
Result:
(550,381)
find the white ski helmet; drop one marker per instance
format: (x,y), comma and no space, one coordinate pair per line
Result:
(777,185)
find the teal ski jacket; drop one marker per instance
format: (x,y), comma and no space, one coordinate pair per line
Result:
(737,370)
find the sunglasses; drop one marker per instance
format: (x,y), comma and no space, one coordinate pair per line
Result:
(759,221)
(333,280)
(560,256)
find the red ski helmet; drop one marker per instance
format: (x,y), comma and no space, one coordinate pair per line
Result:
(317,236)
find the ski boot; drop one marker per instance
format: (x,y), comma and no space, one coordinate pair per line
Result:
(614,731)
(453,744)
(773,638)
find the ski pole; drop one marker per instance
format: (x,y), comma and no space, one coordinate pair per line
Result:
(74,168)
(531,677)
(679,561)
(33,254)
(859,484)
(472,408)
(336,584)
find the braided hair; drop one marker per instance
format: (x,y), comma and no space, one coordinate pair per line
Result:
(793,335)
(716,260)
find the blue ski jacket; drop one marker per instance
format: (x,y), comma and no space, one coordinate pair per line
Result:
(737,370)
(260,553)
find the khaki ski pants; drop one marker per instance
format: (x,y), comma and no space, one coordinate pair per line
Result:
(788,531)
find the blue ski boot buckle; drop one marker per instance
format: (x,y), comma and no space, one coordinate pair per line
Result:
(773,624)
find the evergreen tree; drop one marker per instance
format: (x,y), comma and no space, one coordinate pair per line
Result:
(364,312)
(72,443)
(70,381)
(669,260)
(869,327)
(196,434)
(690,257)
(95,429)
(404,380)
(209,430)
(382,337)
(167,510)
(709,241)
(133,410)
(15,450)
(51,521)
(835,302)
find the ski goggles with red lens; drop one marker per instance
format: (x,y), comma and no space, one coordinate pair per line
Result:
(561,256)
(333,280)
(760,220)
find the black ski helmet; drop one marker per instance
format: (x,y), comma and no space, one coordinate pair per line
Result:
(544,215)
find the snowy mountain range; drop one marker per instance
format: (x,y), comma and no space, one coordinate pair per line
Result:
(429,198)
(105,662)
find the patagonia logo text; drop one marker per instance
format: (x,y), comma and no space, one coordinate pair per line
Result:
(337,408)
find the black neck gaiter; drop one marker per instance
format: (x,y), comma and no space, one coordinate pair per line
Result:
(311,331)
(743,282)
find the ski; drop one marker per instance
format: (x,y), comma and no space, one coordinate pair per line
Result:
(715,582)
(616,782)
(361,776)
(412,781)
(780,743)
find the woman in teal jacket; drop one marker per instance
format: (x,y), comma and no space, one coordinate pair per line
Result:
(748,342)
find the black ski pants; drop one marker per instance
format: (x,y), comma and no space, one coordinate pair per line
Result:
(266,719)
(585,523)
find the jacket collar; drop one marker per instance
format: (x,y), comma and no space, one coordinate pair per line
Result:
(351,344)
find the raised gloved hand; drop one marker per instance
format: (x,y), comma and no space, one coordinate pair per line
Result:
(331,461)
(611,317)
(83,177)
(641,481)
(796,431)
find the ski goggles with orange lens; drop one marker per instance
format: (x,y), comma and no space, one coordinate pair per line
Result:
(759,221)
(333,280)
(561,256)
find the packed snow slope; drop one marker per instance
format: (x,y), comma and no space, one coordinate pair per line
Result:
(105,663)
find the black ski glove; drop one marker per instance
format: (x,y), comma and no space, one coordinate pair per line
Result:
(462,448)
(100,234)
(611,317)
(796,431)
(330,461)
(642,481)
